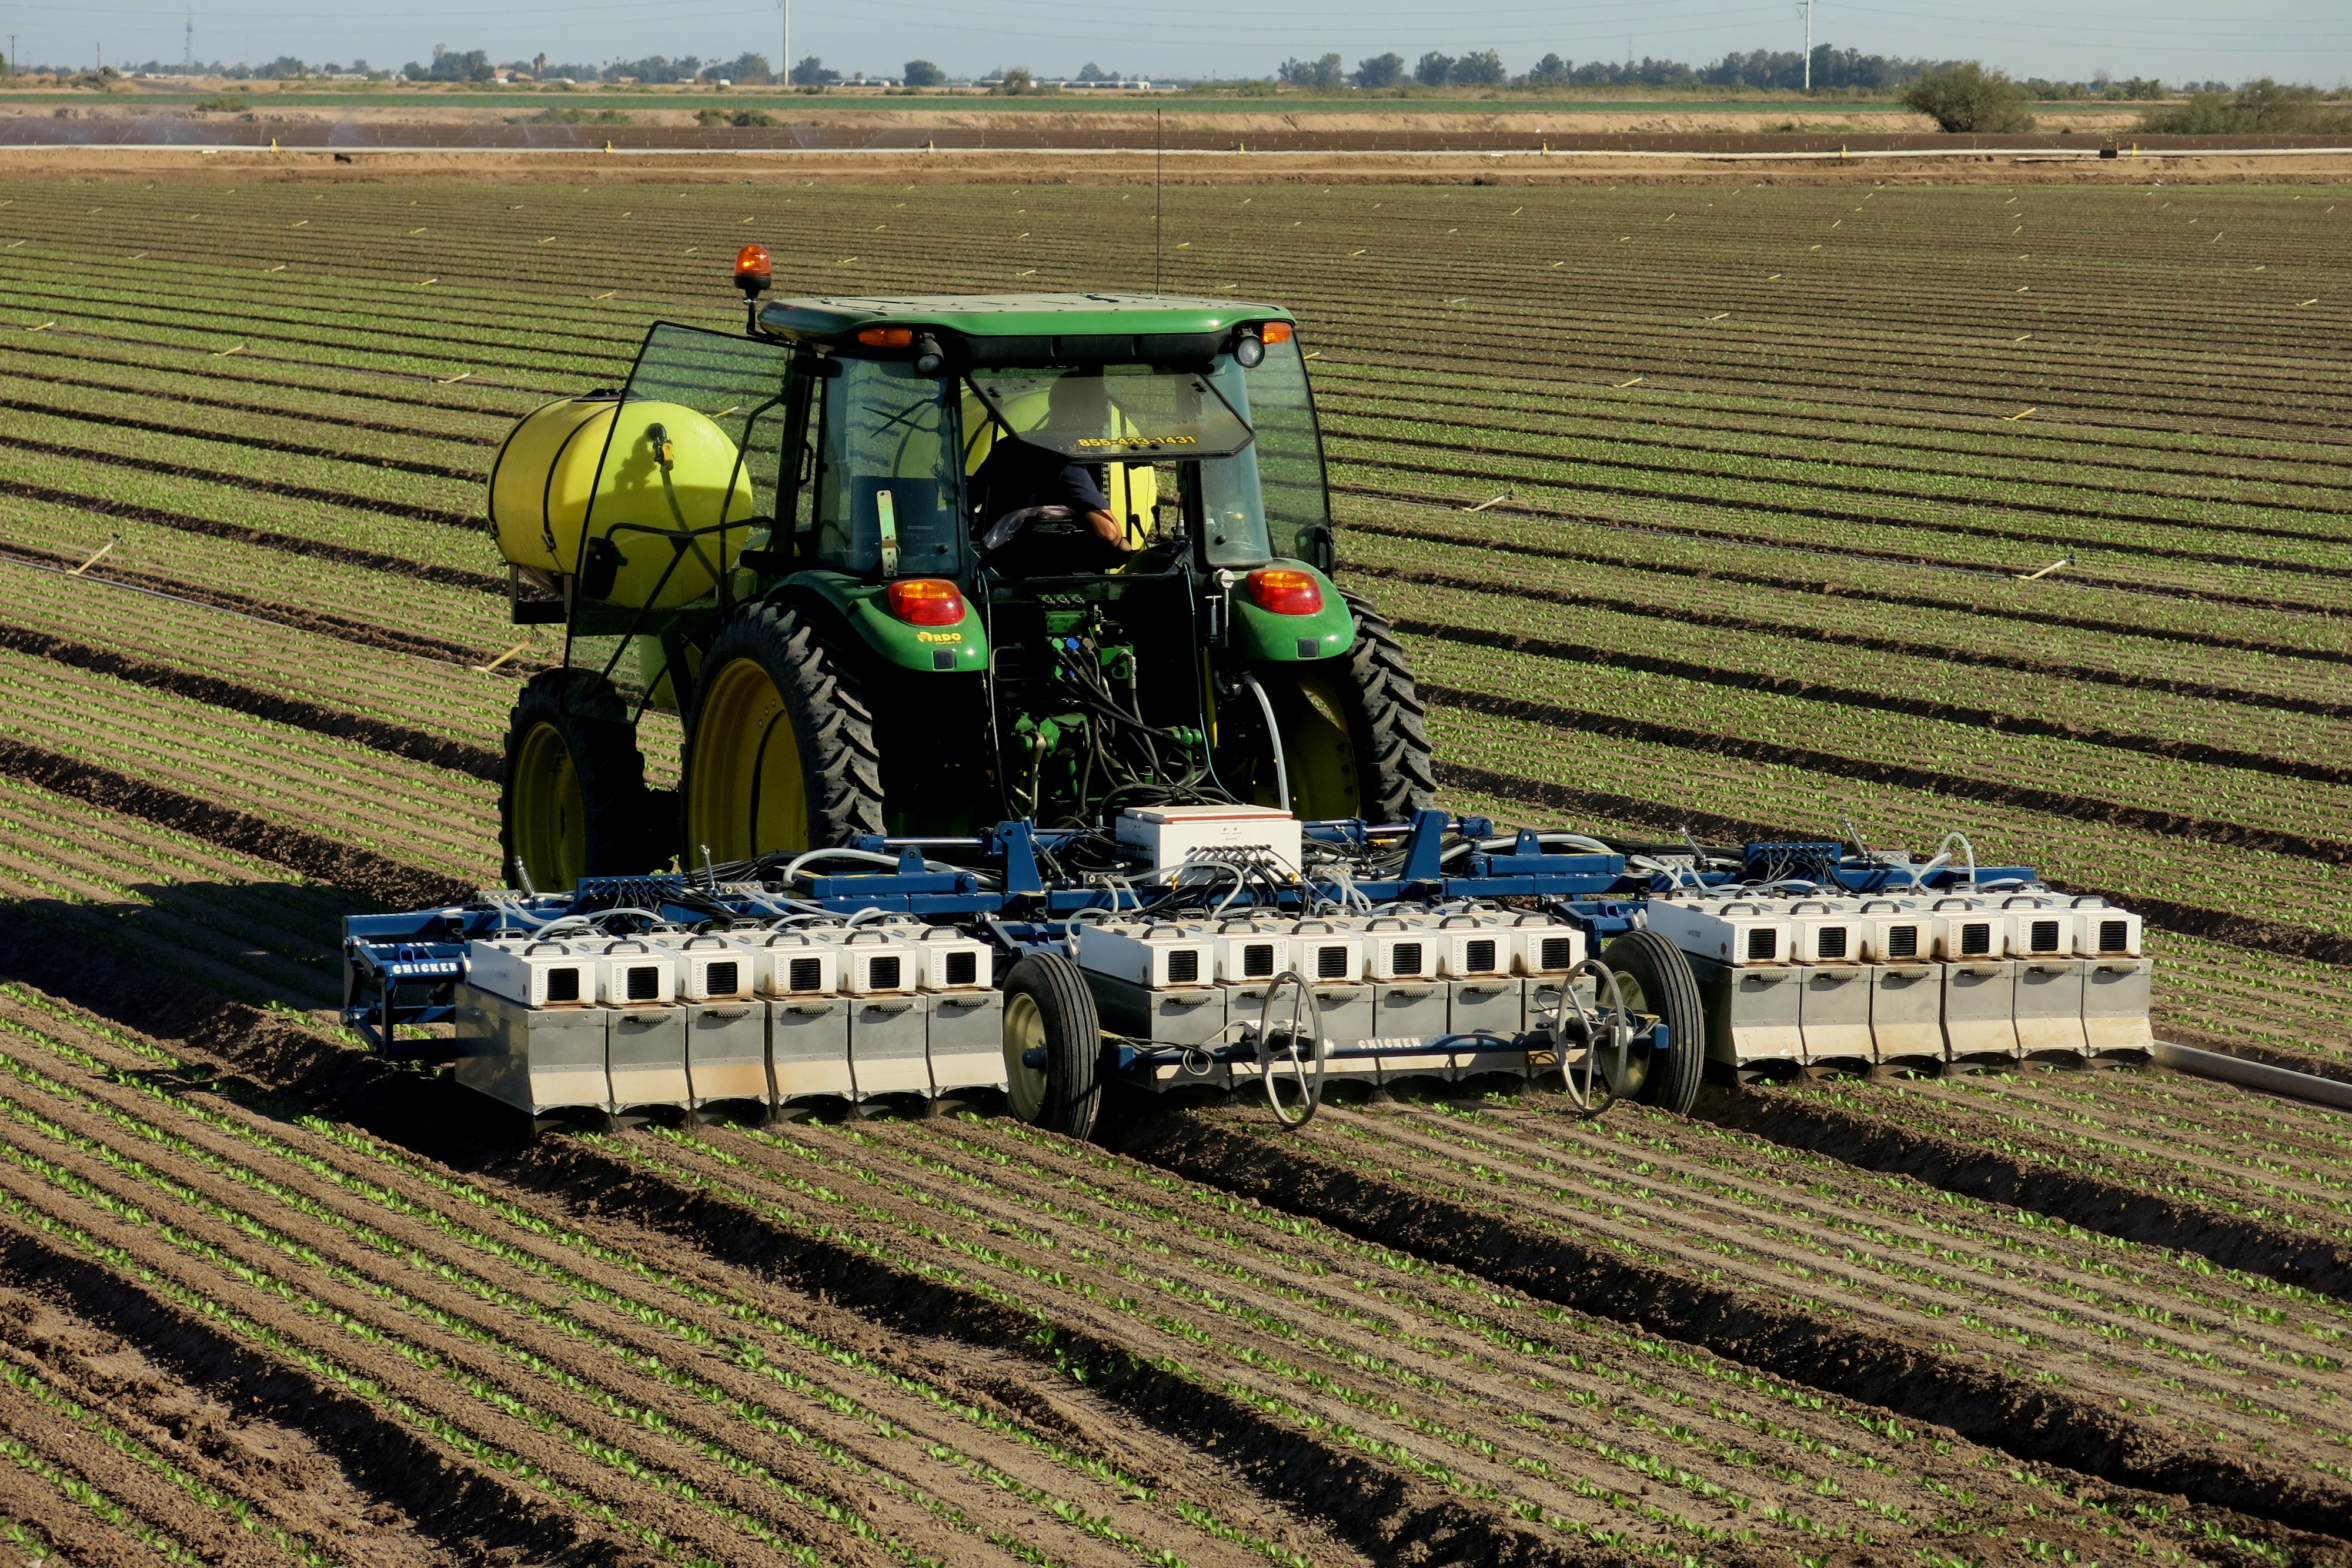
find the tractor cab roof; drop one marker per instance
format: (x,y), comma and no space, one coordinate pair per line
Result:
(1020,328)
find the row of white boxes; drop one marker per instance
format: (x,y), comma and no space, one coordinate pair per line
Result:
(1913,979)
(1448,995)
(672,1019)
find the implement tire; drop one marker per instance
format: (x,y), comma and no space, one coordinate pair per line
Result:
(573,801)
(779,752)
(1352,733)
(1049,1011)
(1658,980)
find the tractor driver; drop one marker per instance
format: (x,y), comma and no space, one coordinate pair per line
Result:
(1048,515)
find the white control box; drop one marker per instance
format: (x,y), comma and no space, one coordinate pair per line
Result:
(952,961)
(536,974)
(1739,932)
(1542,946)
(1325,952)
(1248,954)
(1168,834)
(794,964)
(709,968)
(1157,958)
(631,973)
(1395,949)
(874,964)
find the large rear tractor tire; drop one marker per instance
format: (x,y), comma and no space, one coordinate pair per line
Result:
(1353,739)
(1657,979)
(779,752)
(574,803)
(1053,1046)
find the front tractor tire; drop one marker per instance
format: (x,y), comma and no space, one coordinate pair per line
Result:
(1353,739)
(574,803)
(779,750)
(1053,1046)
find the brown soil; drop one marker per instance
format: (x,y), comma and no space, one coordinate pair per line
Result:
(1138,168)
(362,871)
(1580,1258)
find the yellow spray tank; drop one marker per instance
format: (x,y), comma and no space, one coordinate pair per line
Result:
(612,491)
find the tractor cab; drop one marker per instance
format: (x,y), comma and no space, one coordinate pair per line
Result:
(915,566)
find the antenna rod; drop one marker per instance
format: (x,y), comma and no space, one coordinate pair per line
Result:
(1158,157)
(1809,46)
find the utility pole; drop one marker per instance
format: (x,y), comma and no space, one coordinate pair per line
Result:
(786,7)
(1809,44)
(188,45)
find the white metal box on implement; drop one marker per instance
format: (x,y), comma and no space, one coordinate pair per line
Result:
(1168,834)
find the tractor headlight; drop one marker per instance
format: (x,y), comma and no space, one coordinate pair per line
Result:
(1249,352)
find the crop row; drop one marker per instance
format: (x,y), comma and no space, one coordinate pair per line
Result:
(1670,784)
(2106,720)
(1939,583)
(412,813)
(1715,511)
(2095,457)
(2001,482)
(1422,546)
(2207,807)
(2218,1355)
(1263,258)
(2286,1164)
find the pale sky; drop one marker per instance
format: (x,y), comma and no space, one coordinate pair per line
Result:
(2303,40)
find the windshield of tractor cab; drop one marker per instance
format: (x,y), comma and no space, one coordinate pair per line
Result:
(1114,412)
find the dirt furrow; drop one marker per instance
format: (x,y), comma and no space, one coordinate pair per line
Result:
(388,882)
(598,1343)
(151,1500)
(648,1440)
(30,1497)
(729,1322)
(2075,1311)
(2133,1211)
(455,1496)
(449,1389)
(1896,1370)
(398,740)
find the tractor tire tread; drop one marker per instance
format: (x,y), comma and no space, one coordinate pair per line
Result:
(841,763)
(1405,776)
(588,712)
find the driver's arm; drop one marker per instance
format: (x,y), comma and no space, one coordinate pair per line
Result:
(1106,529)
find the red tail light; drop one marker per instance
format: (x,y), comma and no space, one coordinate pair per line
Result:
(1286,590)
(927,601)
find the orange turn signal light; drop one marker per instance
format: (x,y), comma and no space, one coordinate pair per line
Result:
(753,269)
(888,337)
(927,601)
(1286,590)
(1275,332)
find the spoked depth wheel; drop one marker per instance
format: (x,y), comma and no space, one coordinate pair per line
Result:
(1053,1046)
(1608,1029)
(1292,1070)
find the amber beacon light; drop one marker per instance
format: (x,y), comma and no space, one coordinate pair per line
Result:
(754,270)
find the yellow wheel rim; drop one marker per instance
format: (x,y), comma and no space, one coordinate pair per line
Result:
(1024,1031)
(548,821)
(746,794)
(1318,750)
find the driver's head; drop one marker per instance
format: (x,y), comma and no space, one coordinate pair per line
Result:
(1079,401)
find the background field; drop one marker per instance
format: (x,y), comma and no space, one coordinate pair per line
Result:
(1762,469)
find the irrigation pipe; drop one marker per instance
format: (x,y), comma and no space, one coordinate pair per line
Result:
(2259,1075)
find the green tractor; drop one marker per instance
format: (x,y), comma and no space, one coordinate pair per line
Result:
(908,568)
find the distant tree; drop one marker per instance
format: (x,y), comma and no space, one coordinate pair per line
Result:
(811,72)
(1433,70)
(449,65)
(570,73)
(1965,97)
(1018,83)
(1550,71)
(1325,72)
(1483,69)
(921,73)
(747,67)
(1381,70)
(2260,107)
(284,66)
